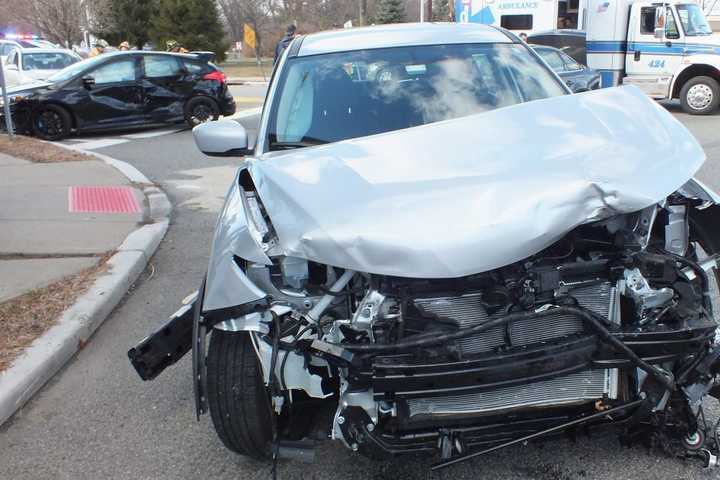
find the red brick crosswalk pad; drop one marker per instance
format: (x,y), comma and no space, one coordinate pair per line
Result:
(102,200)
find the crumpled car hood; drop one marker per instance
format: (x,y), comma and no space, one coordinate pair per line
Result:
(472,194)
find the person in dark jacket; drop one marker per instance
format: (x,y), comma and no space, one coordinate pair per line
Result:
(284,42)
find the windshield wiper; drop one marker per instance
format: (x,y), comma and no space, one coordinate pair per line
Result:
(307,142)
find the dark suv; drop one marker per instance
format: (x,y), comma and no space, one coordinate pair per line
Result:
(123,89)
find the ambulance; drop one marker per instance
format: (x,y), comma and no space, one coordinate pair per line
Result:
(665,48)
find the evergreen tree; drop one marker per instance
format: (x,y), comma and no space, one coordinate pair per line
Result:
(129,20)
(194,24)
(441,11)
(390,11)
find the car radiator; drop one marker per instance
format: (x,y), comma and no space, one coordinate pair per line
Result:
(583,386)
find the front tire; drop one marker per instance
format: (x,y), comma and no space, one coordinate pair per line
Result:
(51,122)
(199,110)
(700,95)
(237,398)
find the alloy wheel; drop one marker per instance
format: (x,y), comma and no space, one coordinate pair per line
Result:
(50,123)
(201,114)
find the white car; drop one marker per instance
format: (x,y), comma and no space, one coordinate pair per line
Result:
(7,45)
(28,65)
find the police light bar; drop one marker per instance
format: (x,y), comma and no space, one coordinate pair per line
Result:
(17,36)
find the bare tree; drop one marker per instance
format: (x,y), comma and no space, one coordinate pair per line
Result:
(13,13)
(61,21)
(234,15)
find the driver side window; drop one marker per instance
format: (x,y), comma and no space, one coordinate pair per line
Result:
(115,72)
(671,28)
(647,20)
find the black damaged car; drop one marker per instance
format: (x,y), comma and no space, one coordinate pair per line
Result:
(121,90)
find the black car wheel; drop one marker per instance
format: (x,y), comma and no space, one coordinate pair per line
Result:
(237,398)
(200,110)
(51,122)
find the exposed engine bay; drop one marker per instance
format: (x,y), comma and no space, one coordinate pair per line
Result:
(615,311)
(617,316)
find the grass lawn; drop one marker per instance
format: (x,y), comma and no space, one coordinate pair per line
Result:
(248,68)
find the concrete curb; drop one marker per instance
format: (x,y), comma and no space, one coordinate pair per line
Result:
(247,81)
(49,353)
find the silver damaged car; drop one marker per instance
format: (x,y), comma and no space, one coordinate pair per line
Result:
(432,246)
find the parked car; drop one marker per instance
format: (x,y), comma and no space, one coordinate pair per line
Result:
(451,257)
(577,76)
(120,90)
(572,42)
(29,65)
(7,45)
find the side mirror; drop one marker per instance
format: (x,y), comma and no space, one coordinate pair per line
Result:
(88,81)
(11,66)
(659,31)
(224,138)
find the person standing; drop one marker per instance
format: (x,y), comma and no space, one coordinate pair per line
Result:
(174,47)
(124,46)
(98,49)
(284,42)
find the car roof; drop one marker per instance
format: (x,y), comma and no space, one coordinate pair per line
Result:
(400,35)
(47,50)
(20,41)
(123,53)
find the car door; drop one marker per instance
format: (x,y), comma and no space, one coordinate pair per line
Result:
(651,62)
(109,95)
(166,86)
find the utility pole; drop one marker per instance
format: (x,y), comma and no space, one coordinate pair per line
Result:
(422,11)
(6,104)
(362,8)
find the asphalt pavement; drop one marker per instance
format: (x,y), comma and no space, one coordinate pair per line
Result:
(97,419)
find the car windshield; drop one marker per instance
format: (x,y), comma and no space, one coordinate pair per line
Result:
(332,97)
(69,72)
(47,61)
(693,20)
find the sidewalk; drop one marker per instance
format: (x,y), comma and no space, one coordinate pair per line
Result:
(43,235)
(74,235)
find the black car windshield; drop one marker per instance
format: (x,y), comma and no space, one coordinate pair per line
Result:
(332,97)
(47,61)
(69,72)
(693,20)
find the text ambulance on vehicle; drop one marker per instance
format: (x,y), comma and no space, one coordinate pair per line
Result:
(522,16)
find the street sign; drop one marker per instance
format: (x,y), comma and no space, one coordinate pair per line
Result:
(249,36)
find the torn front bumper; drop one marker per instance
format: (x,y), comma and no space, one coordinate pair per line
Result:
(167,344)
